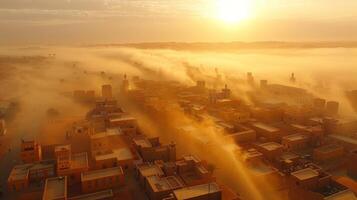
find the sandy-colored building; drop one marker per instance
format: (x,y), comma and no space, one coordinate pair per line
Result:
(209,191)
(55,189)
(295,141)
(71,165)
(148,169)
(123,157)
(267,131)
(21,175)
(160,187)
(30,151)
(103,179)
(270,150)
(315,184)
(150,149)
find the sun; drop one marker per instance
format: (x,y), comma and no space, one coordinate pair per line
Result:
(234,11)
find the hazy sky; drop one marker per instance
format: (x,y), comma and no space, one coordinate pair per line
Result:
(113,21)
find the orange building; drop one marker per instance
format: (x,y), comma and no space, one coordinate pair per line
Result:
(103,179)
(30,151)
(21,175)
(71,165)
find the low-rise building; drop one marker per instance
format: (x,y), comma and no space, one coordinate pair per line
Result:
(161,187)
(71,165)
(103,179)
(295,141)
(30,151)
(267,131)
(21,175)
(209,191)
(150,149)
(271,150)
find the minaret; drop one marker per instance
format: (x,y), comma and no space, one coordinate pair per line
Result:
(125,84)
(292,78)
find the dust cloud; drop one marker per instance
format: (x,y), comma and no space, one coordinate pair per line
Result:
(41,78)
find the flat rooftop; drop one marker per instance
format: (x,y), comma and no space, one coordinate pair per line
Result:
(142,142)
(196,191)
(55,188)
(102,173)
(19,172)
(107,133)
(271,146)
(265,127)
(150,170)
(120,154)
(164,184)
(94,196)
(289,156)
(261,168)
(295,137)
(305,174)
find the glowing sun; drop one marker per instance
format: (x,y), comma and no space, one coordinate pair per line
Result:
(234,11)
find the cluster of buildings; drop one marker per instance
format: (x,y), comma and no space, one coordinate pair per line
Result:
(284,134)
(102,154)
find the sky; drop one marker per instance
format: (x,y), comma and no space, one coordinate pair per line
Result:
(127,21)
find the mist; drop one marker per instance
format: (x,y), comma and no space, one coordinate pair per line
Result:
(44,77)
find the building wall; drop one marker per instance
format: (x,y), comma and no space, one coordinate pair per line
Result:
(103,183)
(17,185)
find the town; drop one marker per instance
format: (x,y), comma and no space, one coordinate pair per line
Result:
(173,141)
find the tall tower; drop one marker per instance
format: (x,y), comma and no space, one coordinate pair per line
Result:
(292,78)
(107,92)
(125,84)
(226,92)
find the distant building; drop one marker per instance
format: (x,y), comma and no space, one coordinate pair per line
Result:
(332,108)
(107,92)
(30,151)
(103,179)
